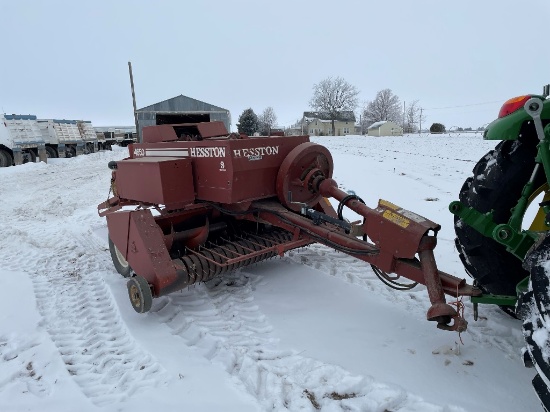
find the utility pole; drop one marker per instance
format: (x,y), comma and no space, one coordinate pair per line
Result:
(134,102)
(403,116)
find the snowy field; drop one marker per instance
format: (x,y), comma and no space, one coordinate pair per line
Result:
(314,330)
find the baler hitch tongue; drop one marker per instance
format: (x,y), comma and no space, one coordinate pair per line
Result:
(444,321)
(459,325)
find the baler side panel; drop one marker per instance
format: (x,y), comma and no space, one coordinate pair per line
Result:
(147,252)
(118,226)
(157,180)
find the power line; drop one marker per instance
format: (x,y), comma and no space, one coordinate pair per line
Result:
(466,105)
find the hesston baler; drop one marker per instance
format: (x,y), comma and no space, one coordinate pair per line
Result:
(193,202)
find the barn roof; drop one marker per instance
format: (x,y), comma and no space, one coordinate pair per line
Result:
(181,103)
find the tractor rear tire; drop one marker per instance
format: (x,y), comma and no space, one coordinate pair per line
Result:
(533,307)
(120,263)
(497,181)
(140,294)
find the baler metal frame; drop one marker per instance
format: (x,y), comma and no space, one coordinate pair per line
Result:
(237,223)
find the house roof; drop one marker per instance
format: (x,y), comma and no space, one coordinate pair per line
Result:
(344,116)
(377,124)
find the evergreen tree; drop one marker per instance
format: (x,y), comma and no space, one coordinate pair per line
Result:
(437,128)
(248,122)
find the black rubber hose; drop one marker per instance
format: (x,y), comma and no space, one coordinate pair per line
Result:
(343,203)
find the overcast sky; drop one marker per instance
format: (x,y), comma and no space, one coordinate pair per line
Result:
(69,59)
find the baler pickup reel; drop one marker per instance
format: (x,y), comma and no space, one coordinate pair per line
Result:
(228,201)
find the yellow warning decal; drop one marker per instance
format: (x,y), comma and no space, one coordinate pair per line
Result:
(387,204)
(395,218)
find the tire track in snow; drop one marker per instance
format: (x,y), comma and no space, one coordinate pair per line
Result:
(357,272)
(18,365)
(222,323)
(77,307)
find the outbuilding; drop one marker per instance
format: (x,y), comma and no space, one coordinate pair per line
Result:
(181,109)
(385,128)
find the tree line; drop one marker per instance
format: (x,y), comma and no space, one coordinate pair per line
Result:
(334,95)
(250,123)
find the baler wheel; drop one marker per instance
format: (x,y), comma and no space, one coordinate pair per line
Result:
(304,162)
(140,294)
(120,263)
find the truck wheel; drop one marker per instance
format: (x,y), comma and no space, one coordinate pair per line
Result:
(120,263)
(71,151)
(140,294)
(5,158)
(51,152)
(29,156)
(497,181)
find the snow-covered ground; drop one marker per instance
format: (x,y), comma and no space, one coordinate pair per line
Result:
(312,330)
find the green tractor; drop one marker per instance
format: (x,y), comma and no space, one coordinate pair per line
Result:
(502,248)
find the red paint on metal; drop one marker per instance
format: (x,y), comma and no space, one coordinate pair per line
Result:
(229,170)
(156,180)
(147,253)
(211,129)
(294,174)
(160,133)
(388,235)
(243,180)
(118,226)
(174,132)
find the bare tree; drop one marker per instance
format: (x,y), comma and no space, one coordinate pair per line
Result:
(267,120)
(413,117)
(385,106)
(333,96)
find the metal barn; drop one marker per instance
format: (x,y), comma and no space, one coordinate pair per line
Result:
(181,109)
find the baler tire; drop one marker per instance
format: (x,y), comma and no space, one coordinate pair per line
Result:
(140,294)
(120,263)
(497,181)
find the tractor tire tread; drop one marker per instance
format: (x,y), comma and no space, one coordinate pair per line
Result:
(497,181)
